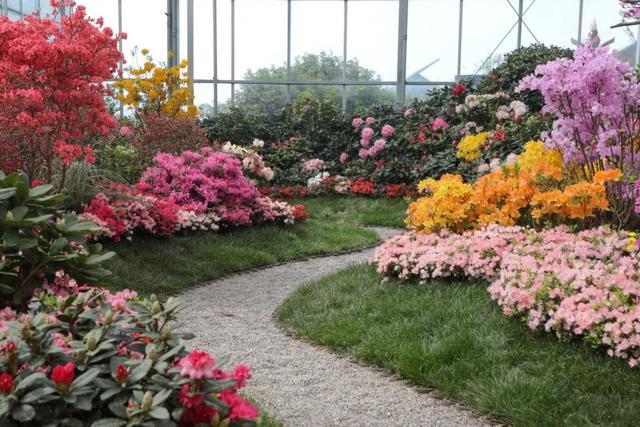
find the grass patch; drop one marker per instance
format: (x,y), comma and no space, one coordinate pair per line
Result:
(165,266)
(452,337)
(357,210)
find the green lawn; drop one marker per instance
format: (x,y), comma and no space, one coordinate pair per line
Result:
(452,337)
(358,210)
(165,266)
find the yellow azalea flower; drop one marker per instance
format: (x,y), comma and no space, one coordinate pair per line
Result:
(145,51)
(469,147)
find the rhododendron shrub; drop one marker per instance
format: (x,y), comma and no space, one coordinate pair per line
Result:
(52,90)
(583,284)
(97,358)
(42,247)
(596,101)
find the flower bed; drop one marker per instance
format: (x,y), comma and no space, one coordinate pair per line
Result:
(584,285)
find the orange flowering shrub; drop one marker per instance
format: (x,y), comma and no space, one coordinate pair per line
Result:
(507,195)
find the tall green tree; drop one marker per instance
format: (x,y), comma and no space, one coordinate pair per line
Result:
(310,67)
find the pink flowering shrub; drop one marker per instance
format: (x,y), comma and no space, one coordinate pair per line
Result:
(368,147)
(583,284)
(95,356)
(313,165)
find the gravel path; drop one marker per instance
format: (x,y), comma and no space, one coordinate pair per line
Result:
(299,383)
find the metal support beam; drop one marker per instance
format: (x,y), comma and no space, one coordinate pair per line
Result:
(403,12)
(215,56)
(344,57)
(120,48)
(5,7)
(289,92)
(580,13)
(173,32)
(190,57)
(637,61)
(520,17)
(459,69)
(233,52)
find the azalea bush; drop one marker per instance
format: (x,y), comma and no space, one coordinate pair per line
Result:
(52,75)
(584,284)
(100,359)
(153,88)
(41,246)
(531,190)
(195,191)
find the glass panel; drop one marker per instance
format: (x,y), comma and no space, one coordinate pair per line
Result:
(261,98)
(317,36)
(203,39)
(484,45)
(418,91)
(145,22)
(224,40)
(329,92)
(557,28)
(203,98)
(601,16)
(29,7)
(224,97)
(261,39)
(373,46)
(364,96)
(432,40)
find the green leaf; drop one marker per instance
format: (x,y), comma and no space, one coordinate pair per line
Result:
(23,413)
(7,193)
(25,244)
(57,246)
(11,237)
(37,394)
(140,371)
(159,413)
(29,380)
(40,190)
(19,212)
(161,396)
(84,379)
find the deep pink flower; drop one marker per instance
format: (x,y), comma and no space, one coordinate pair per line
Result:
(196,365)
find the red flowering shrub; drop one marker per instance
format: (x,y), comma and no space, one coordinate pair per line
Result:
(52,90)
(300,213)
(363,186)
(399,190)
(113,358)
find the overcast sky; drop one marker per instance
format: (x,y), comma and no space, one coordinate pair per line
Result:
(317,25)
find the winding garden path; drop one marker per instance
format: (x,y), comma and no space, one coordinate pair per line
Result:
(299,383)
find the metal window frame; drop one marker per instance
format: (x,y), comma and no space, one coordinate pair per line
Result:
(401,82)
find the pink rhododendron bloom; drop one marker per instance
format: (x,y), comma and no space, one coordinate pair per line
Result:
(125,131)
(196,365)
(439,124)
(408,113)
(344,157)
(370,121)
(313,164)
(367,133)
(387,131)
(357,122)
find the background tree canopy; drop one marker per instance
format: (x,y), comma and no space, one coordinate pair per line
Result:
(314,67)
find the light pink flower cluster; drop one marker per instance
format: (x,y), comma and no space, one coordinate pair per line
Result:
(439,124)
(374,150)
(313,164)
(275,210)
(583,284)
(367,149)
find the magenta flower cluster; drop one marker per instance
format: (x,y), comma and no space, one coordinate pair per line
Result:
(368,147)
(583,284)
(595,98)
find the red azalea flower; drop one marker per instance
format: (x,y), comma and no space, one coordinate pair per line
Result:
(6,383)
(458,89)
(63,374)
(201,414)
(189,399)
(379,164)
(500,135)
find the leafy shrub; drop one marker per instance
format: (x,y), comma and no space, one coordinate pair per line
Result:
(82,182)
(518,64)
(100,359)
(41,246)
